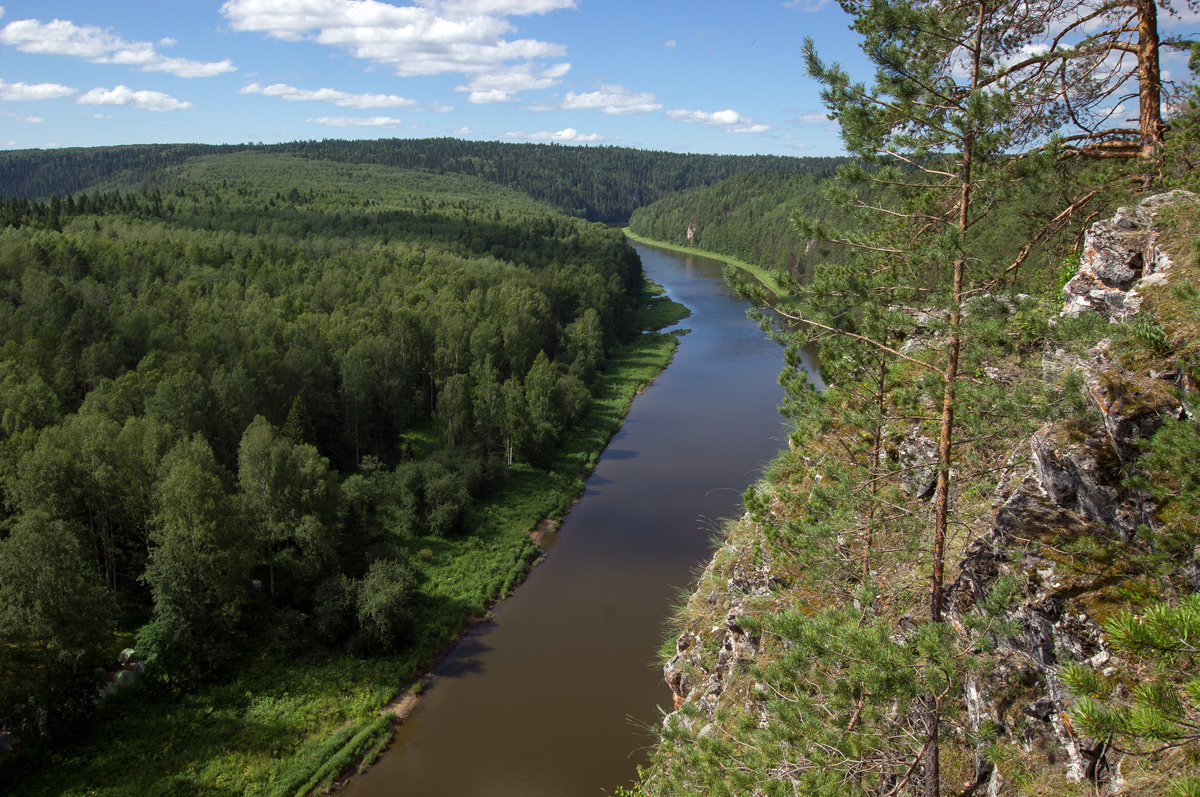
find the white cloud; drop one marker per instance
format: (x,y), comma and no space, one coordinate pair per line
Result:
(333,96)
(19,92)
(730,120)
(29,120)
(101,46)
(503,8)
(568,134)
(816,119)
(500,86)
(806,6)
(357,121)
(613,100)
(123,95)
(464,131)
(466,37)
(670,44)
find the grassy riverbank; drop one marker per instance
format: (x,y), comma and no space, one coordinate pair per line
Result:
(757,272)
(293,718)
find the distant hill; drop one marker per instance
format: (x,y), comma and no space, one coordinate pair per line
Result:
(745,216)
(597,183)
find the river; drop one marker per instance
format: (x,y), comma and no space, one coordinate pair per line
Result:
(553,696)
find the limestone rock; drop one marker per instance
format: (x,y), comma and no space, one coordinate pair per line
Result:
(1080,471)
(1117,254)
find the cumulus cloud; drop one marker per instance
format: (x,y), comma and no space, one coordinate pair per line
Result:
(502,8)
(357,121)
(19,92)
(333,96)
(467,37)
(731,121)
(123,95)
(567,134)
(613,100)
(102,46)
(500,86)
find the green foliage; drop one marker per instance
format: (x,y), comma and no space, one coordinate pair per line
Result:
(746,217)
(1151,335)
(55,621)
(1167,471)
(250,392)
(384,604)
(198,571)
(1153,704)
(598,183)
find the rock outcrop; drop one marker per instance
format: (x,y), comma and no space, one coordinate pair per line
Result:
(1117,253)
(1062,497)
(690,676)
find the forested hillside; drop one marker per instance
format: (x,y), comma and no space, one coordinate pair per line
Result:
(285,422)
(746,217)
(597,183)
(974,570)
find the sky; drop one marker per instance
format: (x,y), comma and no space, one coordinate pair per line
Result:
(708,76)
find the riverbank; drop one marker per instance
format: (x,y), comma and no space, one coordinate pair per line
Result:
(757,272)
(577,639)
(293,719)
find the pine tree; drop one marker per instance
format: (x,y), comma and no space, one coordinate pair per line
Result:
(936,132)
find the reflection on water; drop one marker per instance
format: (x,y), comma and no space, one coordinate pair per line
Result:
(554,696)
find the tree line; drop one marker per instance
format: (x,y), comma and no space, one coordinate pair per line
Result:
(597,183)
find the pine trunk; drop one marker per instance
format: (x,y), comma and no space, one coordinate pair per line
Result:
(1150,123)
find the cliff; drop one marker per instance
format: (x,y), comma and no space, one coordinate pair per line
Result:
(804,663)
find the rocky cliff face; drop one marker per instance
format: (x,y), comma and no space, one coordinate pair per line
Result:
(1057,540)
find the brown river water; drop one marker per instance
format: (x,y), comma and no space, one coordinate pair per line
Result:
(555,694)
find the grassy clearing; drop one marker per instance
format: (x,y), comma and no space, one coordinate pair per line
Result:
(294,718)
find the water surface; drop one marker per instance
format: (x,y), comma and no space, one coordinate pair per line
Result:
(554,694)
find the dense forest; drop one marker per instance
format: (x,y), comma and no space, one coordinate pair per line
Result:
(745,217)
(596,183)
(250,410)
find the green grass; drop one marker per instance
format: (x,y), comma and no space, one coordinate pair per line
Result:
(657,310)
(290,722)
(757,272)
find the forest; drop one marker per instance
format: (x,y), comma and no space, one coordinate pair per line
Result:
(267,407)
(596,183)
(278,418)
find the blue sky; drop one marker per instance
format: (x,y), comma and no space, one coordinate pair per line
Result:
(701,76)
(698,76)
